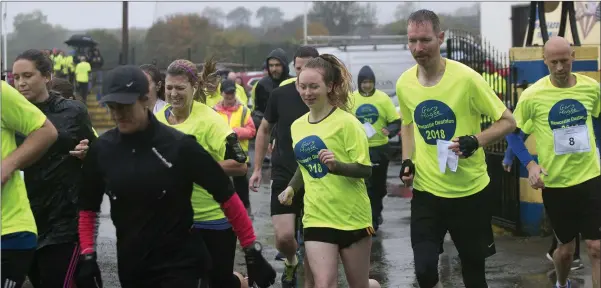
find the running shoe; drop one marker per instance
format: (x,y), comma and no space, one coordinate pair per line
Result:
(576,264)
(289,276)
(568,285)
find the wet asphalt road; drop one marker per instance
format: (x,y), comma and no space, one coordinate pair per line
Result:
(519,262)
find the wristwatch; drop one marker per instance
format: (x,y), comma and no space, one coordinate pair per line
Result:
(255,246)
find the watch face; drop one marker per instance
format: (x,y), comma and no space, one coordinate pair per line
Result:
(258,246)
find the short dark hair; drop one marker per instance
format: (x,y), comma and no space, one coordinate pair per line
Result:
(157,77)
(305,52)
(425,16)
(41,62)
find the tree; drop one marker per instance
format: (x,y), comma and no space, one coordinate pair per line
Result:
(270,17)
(341,18)
(313,29)
(109,46)
(32,31)
(239,17)
(403,10)
(214,14)
(176,35)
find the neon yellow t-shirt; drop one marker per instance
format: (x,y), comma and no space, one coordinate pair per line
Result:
(18,115)
(330,200)
(452,108)
(550,109)
(210,131)
(241,95)
(378,110)
(82,70)
(288,81)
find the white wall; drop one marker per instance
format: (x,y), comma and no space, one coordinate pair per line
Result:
(495,24)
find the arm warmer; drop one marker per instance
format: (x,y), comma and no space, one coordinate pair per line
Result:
(517,145)
(353,170)
(87,230)
(236,213)
(297,180)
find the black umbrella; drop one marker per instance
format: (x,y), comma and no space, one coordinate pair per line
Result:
(79,40)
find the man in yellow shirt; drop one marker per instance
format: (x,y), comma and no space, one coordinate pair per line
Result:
(82,77)
(443,101)
(19,232)
(562,110)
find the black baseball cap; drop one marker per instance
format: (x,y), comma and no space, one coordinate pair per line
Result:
(124,85)
(228,86)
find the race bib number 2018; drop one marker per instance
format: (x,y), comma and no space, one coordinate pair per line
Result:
(573,139)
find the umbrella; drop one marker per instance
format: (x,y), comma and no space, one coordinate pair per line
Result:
(79,40)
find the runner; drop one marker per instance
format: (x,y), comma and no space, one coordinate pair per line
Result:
(53,182)
(443,101)
(148,170)
(277,71)
(184,87)
(331,147)
(376,111)
(64,88)
(237,115)
(156,97)
(283,109)
(560,107)
(19,232)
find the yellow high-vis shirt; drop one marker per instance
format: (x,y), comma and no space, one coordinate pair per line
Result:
(211,132)
(18,115)
(332,201)
(449,109)
(561,120)
(377,110)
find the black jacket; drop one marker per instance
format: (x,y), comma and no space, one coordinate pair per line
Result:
(268,83)
(148,177)
(54,180)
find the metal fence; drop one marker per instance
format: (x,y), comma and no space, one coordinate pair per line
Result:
(495,67)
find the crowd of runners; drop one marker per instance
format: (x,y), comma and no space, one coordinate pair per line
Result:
(175,167)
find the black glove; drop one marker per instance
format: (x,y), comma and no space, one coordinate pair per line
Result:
(407,163)
(259,270)
(87,274)
(468,145)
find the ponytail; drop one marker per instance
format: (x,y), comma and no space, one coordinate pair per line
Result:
(208,81)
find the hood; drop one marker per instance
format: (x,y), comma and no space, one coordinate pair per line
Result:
(281,56)
(366,73)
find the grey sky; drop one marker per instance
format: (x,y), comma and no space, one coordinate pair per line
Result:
(87,15)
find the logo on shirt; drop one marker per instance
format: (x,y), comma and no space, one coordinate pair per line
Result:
(306,152)
(367,113)
(566,113)
(435,120)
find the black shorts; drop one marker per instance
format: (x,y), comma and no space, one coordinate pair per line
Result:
(15,266)
(467,219)
(574,210)
(342,238)
(277,208)
(222,247)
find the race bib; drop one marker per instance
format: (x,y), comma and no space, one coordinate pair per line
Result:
(573,139)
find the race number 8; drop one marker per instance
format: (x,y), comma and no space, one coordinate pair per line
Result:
(571,141)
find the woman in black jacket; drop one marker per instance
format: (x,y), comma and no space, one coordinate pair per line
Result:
(54,181)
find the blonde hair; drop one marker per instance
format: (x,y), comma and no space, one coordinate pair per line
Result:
(204,82)
(334,73)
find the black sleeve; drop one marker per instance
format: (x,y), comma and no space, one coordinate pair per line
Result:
(93,185)
(203,170)
(271,111)
(260,97)
(85,129)
(394,128)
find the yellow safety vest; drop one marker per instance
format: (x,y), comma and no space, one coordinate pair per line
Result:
(238,119)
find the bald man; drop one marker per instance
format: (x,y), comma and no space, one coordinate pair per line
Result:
(563,109)
(240,91)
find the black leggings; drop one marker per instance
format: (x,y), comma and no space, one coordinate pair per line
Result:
(222,247)
(377,183)
(53,266)
(14,267)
